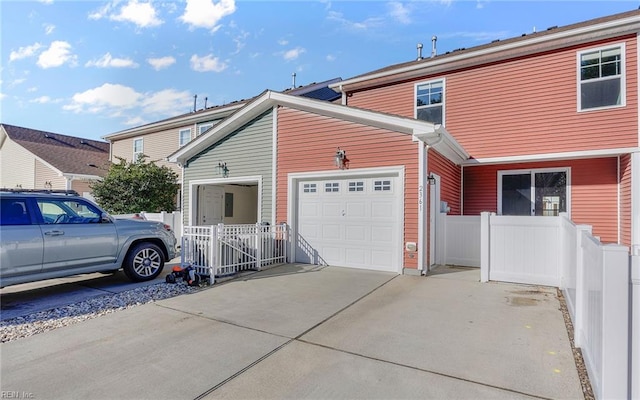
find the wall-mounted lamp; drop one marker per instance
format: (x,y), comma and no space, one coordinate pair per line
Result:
(341,158)
(431,179)
(222,167)
(48,185)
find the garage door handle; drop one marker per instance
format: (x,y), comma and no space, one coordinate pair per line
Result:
(54,233)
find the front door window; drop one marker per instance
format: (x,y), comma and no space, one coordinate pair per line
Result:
(536,192)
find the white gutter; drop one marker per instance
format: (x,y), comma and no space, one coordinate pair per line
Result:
(551,156)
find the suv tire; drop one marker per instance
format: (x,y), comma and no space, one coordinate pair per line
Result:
(144,262)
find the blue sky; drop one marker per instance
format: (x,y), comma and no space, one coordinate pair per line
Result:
(90,68)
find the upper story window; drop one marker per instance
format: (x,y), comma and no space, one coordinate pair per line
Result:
(430,101)
(138,148)
(184,136)
(202,128)
(601,78)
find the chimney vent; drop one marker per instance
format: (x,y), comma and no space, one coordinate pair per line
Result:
(195,98)
(419,47)
(434,52)
(293,80)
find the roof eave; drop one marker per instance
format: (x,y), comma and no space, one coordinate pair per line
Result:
(527,46)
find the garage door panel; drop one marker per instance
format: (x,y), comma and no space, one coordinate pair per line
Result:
(351,222)
(330,232)
(357,233)
(308,209)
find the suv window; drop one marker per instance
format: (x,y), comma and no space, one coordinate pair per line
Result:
(68,211)
(14,212)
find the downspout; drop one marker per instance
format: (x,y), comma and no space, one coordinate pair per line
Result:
(422,214)
(344,96)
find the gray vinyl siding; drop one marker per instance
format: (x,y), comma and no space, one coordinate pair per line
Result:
(247,152)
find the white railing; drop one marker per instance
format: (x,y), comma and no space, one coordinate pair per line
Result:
(222,250)
(173,219)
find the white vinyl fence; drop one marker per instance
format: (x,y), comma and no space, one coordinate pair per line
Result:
(601,284)
(173,219)
(222,250)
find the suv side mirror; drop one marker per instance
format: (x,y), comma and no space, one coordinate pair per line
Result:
(105,218)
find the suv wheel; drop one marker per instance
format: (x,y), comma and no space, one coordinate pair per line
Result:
(144,262)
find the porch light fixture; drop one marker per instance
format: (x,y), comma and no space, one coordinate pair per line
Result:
(341,158)
(431,179)
(222,167)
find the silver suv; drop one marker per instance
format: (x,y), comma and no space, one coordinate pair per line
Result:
(51,234)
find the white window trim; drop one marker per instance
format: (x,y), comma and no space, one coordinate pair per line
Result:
(533,171)
(136,154)
(444,98)
(180,136)
(623,77)
(205,125)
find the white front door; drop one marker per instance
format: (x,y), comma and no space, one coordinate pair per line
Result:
(350,221)
(210,205)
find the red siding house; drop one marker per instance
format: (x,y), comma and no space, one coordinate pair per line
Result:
(537,125)
(549,119)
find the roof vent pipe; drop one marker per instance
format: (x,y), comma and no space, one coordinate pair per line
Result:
(293,80)
(419,47)
(205,102)
(434,52)
(195,98)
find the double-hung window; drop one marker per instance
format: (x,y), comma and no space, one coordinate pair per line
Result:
(202,128)
(184,136)
(430,101)
(138,148)
(601,78)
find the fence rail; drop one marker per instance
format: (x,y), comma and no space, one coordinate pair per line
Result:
(223,250)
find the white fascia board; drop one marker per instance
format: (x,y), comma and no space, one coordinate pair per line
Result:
(270,99)
(627,24)
(444,143)
(81,176)
(573,155)
(178,122)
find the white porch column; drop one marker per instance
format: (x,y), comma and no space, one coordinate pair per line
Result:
(635,199)
(422,213)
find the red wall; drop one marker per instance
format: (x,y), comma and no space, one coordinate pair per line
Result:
(308,142)
(594,191)
(523,106)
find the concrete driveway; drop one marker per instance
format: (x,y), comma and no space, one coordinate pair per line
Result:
(299,331)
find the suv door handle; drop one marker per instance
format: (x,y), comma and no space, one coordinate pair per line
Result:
(54,233)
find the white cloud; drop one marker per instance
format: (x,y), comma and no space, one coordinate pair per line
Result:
(143,15)
(48,28)
(107,61)
(24,52)
(207,63)
(46,1)
(44,100)
(107,96)
(167,101)
(161,63)
(293,54)
(119,101)
(330,57)
(368,23)
(283,42)
(2,96)
(399,12)
(32,89)
(207,13)
(57,54)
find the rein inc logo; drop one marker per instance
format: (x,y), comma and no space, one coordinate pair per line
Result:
(15,394)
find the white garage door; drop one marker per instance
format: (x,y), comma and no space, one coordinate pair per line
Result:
(351,222)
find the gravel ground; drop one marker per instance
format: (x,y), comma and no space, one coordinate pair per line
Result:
(43,321)
(577,354)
